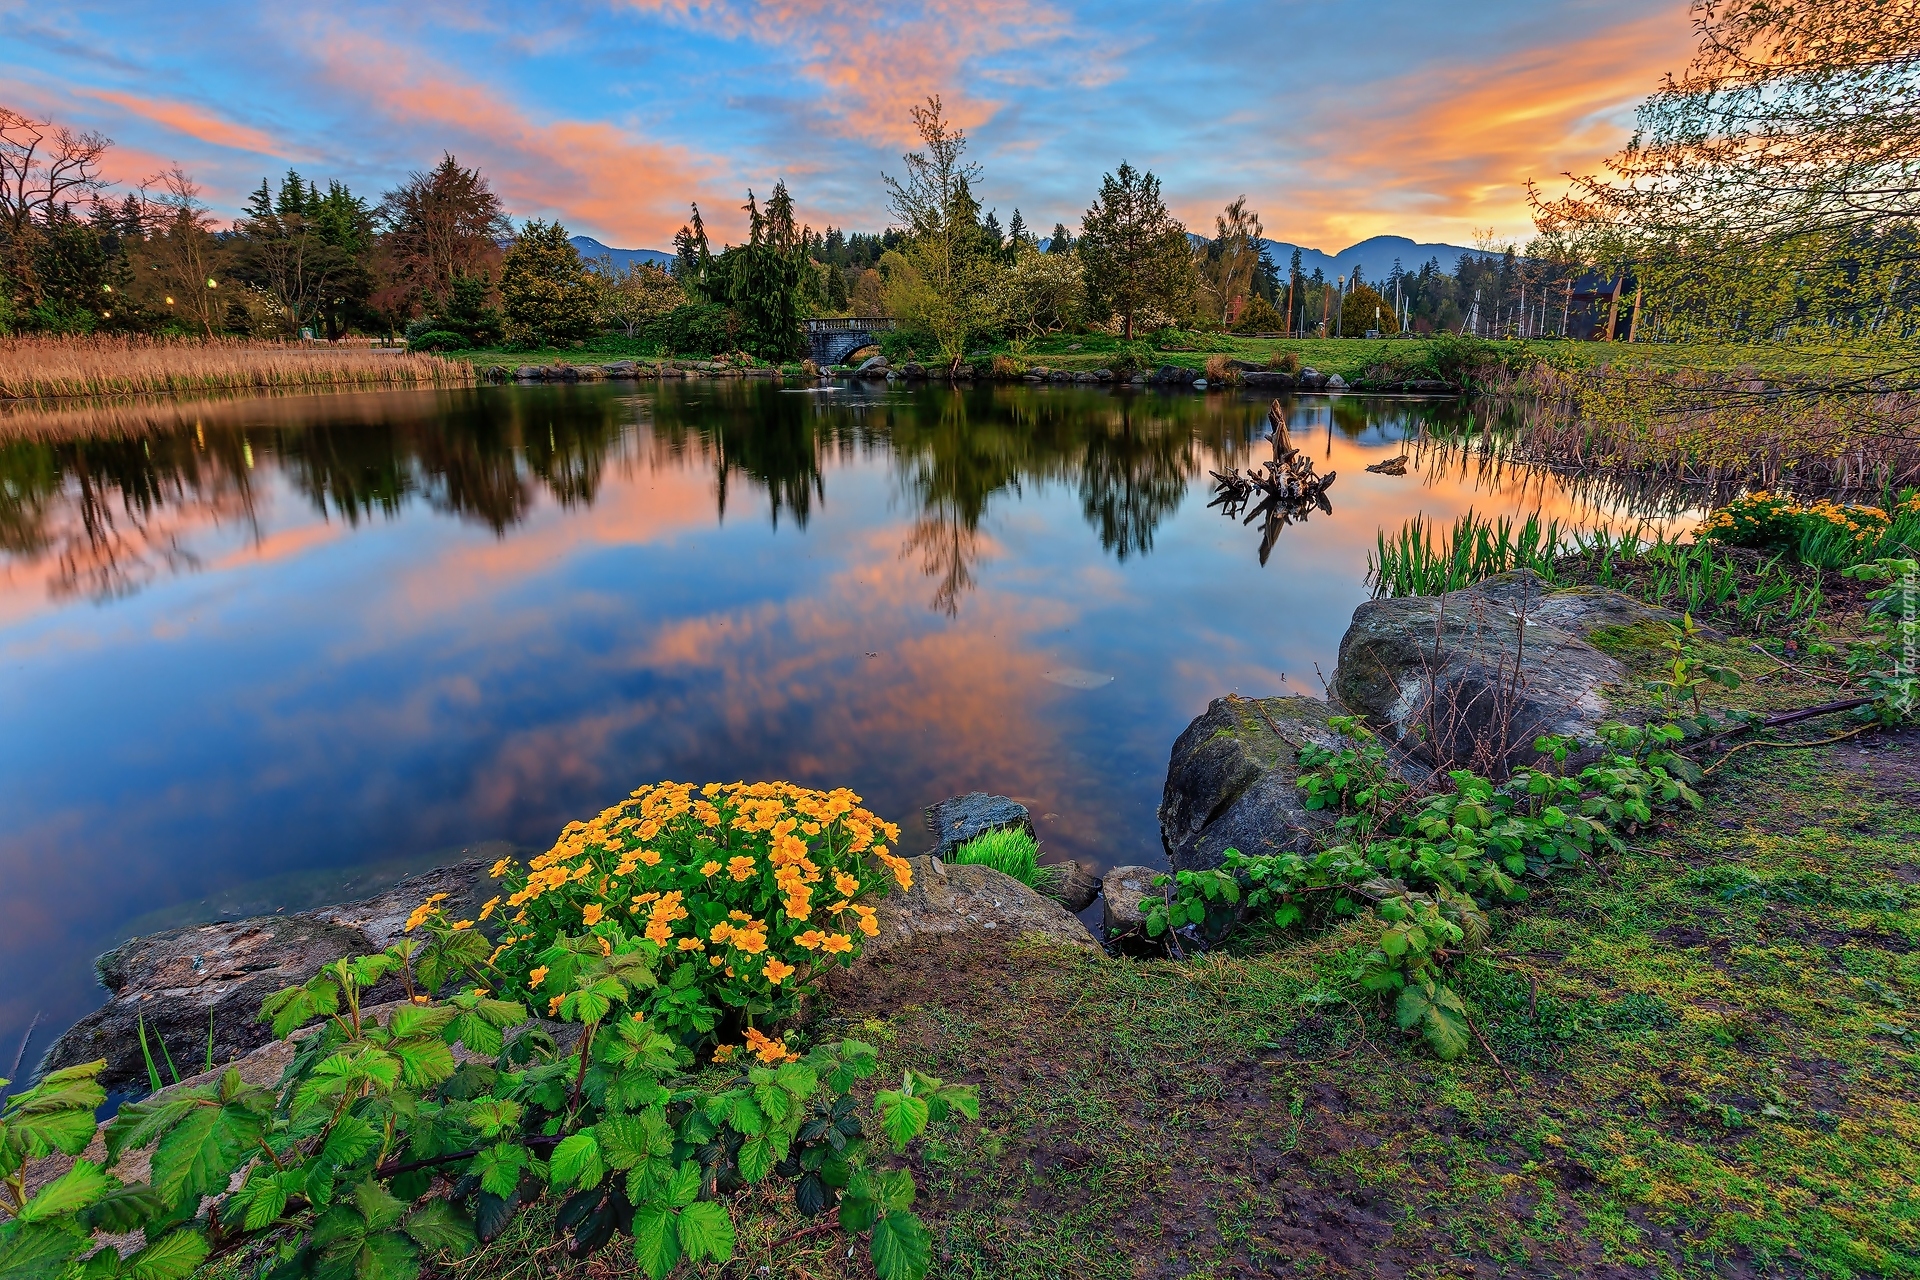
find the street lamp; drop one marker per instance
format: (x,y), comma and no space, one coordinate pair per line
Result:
(1339,319)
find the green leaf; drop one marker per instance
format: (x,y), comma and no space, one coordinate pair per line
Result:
(125,1209)
(1439,1015)
(438,1227)
(412,1020)
(376,1204)
(499,1167)
(774,1102)
(172,1257)
(756,1158)
(902,1115)
(424,1063)
(67,1194)
(706,1231)
(685,1187)
(196,1156)
(656,1241)
(36,1252)
(351,1139)
(745,1116)
(43,1133)
(901,1249)
(576,1161)
(494,1115)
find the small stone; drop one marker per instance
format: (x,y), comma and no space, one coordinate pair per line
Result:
(1079,885)
(1124,892)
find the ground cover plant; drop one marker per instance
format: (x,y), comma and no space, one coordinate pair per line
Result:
(415,1131)
(1011,851)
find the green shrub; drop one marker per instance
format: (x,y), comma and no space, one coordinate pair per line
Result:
(438,340)
(695,329)
(1011,850)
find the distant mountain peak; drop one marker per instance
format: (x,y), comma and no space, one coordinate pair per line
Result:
(592,250)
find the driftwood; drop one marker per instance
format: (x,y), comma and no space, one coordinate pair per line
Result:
(1391,467)
(1286,486)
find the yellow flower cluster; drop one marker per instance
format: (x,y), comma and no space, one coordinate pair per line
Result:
(763,880)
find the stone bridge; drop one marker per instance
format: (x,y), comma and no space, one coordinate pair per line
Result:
(832,341)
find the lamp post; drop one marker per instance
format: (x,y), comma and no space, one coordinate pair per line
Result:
(1339,317)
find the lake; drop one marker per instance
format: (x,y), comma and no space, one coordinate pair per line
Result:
(265,654)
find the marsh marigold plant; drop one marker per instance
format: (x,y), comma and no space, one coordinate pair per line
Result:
(746,890)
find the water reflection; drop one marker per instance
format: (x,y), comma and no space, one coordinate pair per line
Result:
(115,509)
(278,642)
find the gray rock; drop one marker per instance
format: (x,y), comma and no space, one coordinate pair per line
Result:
(1085,375)
(179,981)
(1078,886)
(1232,781)
(947,899)
(1336,383)
(1267,378)
(1060,375)
(1462,676)
(1199,384)
(961,818)
(1103,375)
(618,369)
(529,373)
(1124,892)
(872,367)
(913,370)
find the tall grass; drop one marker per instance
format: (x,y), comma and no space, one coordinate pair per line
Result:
(1423,561)
(1697,577)
(1014,851)
(45,367)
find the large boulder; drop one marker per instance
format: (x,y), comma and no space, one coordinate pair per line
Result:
(180,983)
(962,818)
(1469,680)
(872,367)
(1233,781)
(949,899)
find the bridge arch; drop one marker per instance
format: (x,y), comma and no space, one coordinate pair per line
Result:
(830,341)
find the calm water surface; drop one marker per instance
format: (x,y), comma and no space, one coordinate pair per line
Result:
(274,653)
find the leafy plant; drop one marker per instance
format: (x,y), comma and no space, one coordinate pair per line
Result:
(1429,867)
(422,1127)
(747,890)
(1885,662)
(1012,851)
(1687,672)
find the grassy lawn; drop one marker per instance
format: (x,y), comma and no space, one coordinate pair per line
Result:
(1709,1066)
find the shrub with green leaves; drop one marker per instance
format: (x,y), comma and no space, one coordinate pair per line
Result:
(422,1127)
(1430,866)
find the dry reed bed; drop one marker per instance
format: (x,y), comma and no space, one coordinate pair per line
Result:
(1715,429)
(47,368)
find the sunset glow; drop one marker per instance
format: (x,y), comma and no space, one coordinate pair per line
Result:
(1339,122)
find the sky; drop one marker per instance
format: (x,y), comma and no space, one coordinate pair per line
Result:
(1339,120)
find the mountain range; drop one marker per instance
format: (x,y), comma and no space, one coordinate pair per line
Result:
(1374,257)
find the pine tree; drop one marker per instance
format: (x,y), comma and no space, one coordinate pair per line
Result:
(1136,253)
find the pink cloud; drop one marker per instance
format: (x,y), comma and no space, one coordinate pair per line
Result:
(195,123)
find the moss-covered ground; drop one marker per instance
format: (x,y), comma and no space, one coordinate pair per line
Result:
(1708,1065)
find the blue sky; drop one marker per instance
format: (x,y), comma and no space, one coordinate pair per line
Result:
(1338,120)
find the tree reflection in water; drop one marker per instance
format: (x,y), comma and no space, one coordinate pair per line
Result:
(114,495)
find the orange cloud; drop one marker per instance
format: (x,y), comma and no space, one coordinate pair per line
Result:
(876,63)
(1452,148)
(590,172)
(195,123)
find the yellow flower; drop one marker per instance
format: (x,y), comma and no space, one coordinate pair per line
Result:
(419,916)
(837,943)
(591,916)
(649,857)
(740,867)
(715,961)
(812,939)
(553,1005)
(537,977)
(776,970)
(691,944)
(768,1049)
(486,908)
(846,884)
(458,925)
(500,868)
(723,1052)
(710,867)
(625,868)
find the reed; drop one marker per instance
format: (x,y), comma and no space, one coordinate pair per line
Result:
(48,367)
(1424,561)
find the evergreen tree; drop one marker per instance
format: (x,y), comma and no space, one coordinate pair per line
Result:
(547,290)
(1061,241)
(1136,253)
(765,278)
(692,257)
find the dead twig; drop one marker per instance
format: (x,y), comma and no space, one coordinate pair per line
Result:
(1818,742)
